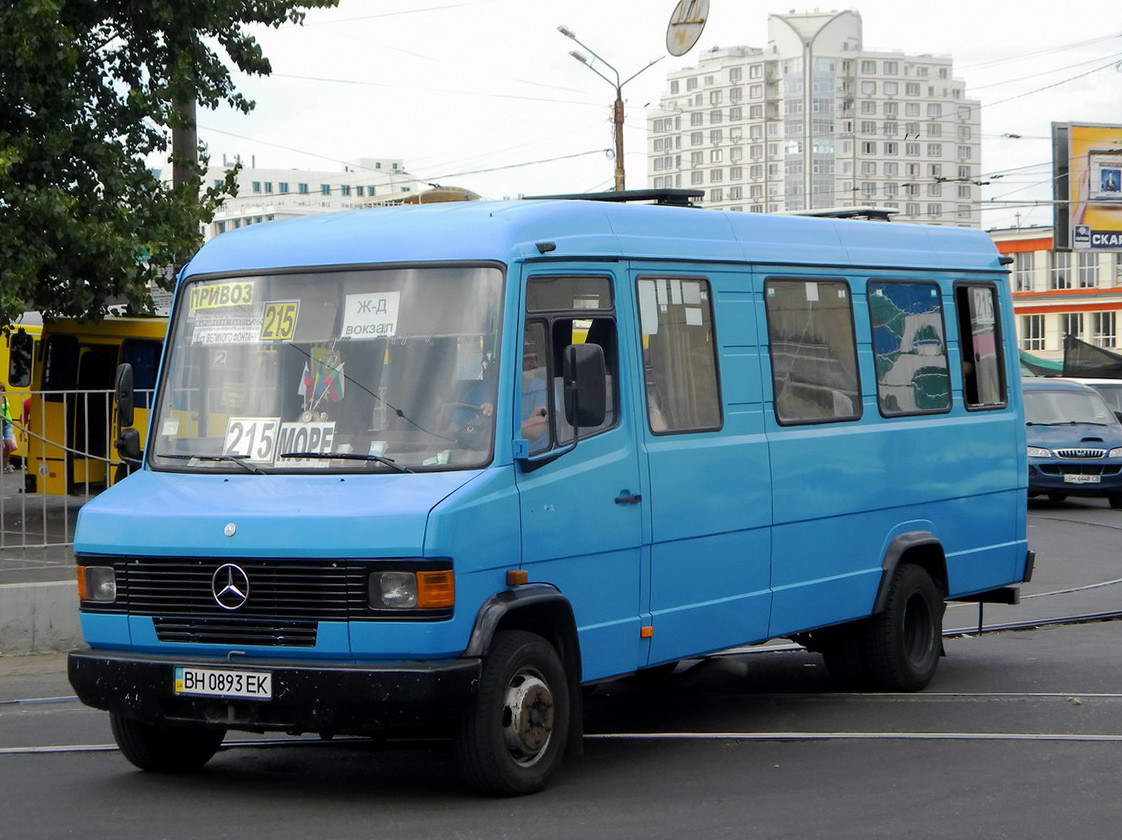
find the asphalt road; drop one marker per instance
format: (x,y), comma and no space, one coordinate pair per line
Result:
(1019,736)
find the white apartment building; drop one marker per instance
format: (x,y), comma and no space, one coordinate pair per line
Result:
(815,121)
(265,194)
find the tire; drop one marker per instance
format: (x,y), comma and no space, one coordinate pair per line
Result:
(904,642)
(514,737)
(1115,501)
(165,749)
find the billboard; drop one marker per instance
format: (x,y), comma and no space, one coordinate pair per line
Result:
(1087,160)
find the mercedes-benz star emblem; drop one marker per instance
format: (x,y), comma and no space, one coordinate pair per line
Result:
(230,586)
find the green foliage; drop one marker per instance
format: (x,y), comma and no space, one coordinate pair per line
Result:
(88,88)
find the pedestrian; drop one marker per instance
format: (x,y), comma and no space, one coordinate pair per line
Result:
(9,432)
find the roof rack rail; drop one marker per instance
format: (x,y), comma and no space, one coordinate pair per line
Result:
(870,214)
(670,198)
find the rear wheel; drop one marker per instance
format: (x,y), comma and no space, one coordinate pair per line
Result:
(1115,500)
(514,737)
(903,643)
(165,749)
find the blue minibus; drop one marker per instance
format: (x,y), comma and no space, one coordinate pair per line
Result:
(438,467)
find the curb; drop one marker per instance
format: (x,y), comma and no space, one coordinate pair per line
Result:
(39,617)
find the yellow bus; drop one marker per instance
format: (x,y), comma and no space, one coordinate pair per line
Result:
(71,426)
(18,343)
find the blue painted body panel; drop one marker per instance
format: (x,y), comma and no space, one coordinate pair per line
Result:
(751,531)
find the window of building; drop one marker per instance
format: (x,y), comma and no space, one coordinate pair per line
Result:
(934,210)
(674,86)
(302,189)
(715,97)
(890,189)
(1103,329)
(1061,270)
(869,67)
(983,380)
(934,149)
(716,136)
(910,348)
(1032,332)
(890,68)
(1088,270)
(697,138)
(813,350)
(268,186)
(736,114)
(964,153)
(891,89)
(963,133)
(934,130)
(257,186)
(868,167)
(716,176)
(890,129)
(964,191)
(755,71)
(679,354)
(697,177)
(911,89)
(911,109)
(717,194)
(868,147)
(1023,267)
(869,88)
(1071,323)
(325,189)
(934,190)
(691,83)
(891,149)
(716,116)
(911,149)
(345,189)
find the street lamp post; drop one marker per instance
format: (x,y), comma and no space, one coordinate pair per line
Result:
(617,109)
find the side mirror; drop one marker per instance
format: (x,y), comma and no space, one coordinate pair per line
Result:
(586,385)
(128,447)
(124,395)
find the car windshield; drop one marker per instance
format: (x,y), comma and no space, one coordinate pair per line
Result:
(1111,393)
(360,370)
(1048,408)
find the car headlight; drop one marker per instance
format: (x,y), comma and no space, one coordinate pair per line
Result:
(404,590)
(1115,453)
(97,583)
(1037,452)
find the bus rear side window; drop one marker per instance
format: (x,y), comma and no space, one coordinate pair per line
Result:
(983,382)
(813,350)
(909,348)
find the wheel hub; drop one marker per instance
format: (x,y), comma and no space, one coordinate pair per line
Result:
(527,718)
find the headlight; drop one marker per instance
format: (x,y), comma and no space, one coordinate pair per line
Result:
(1037,452)
(1115,453)
(97,583)
(412,590)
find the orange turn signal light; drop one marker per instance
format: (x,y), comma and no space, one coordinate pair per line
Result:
(436,589)
(82,584)
(517,577)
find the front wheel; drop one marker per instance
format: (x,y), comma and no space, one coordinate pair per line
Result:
(514,737)
(165,749)
(903,643)
(1115,500)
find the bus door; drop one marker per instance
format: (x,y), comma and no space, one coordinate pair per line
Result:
(706,455)
(581,511)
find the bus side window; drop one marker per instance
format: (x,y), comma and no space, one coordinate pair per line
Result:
(679,354)
(983,381)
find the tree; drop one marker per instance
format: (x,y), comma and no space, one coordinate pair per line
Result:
(88,90)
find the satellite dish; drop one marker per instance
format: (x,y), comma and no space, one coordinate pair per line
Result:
(686,24)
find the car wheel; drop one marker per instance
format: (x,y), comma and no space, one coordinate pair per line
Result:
(1057,497)
(165,749)
(515,735)
(1115,500)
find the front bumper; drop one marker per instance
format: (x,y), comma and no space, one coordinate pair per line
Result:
(343,699)
(1049,477)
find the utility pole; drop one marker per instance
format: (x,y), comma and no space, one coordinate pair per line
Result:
(617,108)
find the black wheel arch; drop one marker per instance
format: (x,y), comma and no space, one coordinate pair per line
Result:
(538,608)
(919,547)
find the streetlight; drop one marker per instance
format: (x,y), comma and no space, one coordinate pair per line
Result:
(617,111)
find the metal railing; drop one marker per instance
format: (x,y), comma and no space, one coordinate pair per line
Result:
(66,455)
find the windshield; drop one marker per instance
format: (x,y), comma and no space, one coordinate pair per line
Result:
(1055,408)
(362,370)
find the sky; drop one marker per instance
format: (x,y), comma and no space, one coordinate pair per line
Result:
(483,94)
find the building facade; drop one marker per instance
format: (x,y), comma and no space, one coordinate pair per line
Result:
(265,194)
(1058,293)
(816,121)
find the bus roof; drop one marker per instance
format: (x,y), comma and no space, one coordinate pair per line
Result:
(506,231)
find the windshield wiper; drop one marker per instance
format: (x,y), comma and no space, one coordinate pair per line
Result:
(349,456)
(241,460)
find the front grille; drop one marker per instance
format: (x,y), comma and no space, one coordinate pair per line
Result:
(287,598)
(1080,453)
(278,589)
(1079,469)
(235,632)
